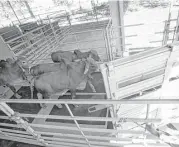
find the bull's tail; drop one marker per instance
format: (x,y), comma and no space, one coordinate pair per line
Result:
(87,66)
(32,87)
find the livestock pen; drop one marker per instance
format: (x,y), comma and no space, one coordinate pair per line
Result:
(117,80)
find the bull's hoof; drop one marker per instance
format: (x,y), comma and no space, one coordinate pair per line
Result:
(59,106)
(43,106)
(17,96)
(76,106)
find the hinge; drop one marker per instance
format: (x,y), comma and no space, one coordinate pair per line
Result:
(111,69)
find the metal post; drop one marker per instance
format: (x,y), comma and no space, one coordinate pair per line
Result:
(166,30)
(106,44)
(176,33)
(109,44)
(68,18)
(14,116)
(116,10)
(77,41)
(52,29)
(29,9)
(69,110)
(13,11)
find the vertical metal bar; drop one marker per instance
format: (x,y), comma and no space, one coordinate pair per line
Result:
(164,33)
(109,44)
(77,41)
(176,33)
(29,9)
(166,30)
(69,110)
(13,11)
(106,44)
(111,39)
(40,19)
(52,29)
(68,18)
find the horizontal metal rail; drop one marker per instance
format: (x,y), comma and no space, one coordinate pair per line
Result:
(73,128)
(26,33)
(83,118)
(172,100)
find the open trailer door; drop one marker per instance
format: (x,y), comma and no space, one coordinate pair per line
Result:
(137,76)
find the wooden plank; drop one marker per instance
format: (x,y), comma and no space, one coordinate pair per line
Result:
(8,93)
(43,111)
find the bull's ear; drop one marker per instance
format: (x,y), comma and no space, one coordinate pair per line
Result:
(9,60)
(90,55)
(91,60)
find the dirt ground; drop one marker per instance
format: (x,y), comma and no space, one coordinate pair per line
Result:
(82,110)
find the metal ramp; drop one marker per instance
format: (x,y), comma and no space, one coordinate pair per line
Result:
(122,78)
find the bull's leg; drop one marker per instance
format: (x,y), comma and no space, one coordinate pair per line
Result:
(73,96)
(59,106)
(73,93)
(91,86)
(40,96)
(14,91)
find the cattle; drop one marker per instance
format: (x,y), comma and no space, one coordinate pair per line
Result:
(50,83)
(92,53)
(60,56)
(67,57)
(11,72)
(5,143)
(44,68)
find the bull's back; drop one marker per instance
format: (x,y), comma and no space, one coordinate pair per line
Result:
(45,68)
(59,55)
(52,82)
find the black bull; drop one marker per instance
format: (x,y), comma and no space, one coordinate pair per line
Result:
(50,83)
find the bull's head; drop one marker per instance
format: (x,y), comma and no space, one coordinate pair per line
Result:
(91,66)
(22,62)
(77,52)
(10,61)
(3,63)
(93,54)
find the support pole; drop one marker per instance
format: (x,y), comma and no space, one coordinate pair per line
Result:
(176,34)
(116,11)
(29,9)
(69,110)
(52,29)
(13,11)
(24,124)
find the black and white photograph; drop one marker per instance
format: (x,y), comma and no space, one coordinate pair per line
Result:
(89,73)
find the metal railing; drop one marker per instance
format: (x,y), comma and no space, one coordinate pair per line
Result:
(134,40)
(32,133)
